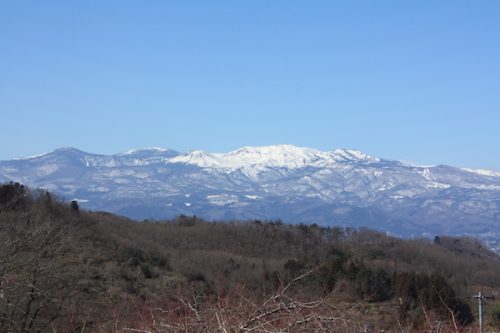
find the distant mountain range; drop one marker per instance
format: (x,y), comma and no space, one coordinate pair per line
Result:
(297,185)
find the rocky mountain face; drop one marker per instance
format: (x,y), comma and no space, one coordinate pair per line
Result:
(297,185)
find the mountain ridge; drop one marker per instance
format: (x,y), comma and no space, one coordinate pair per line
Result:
(345,153)
(296,184)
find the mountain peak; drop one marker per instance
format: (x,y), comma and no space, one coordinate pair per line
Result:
(198,158)
(63,151)
(274,156)
(72,150)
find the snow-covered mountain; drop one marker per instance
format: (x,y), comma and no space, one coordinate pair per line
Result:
(339,187)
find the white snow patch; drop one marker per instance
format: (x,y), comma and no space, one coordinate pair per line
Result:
(198,158)
(488,187)
(354,155)
(222,199)
(30,157)
(437,185)
(133,151)
(483,172)
(100,161)
(81,200)
(426,173)
(386,186)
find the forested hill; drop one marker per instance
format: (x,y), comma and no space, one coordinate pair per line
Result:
(65,269)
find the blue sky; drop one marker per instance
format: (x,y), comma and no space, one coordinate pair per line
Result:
(411,80)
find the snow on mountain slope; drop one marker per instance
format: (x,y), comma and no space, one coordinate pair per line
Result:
(199,158)
(283,181)
(483,172)
(278,156)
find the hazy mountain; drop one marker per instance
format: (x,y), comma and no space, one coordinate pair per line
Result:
(340,187)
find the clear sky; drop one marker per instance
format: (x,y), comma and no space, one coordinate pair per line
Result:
(410,80)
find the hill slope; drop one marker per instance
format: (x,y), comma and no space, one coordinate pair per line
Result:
(65,269)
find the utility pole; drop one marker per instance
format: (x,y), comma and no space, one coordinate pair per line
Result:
(480,297)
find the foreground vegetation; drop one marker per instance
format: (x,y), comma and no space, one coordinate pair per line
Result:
(67,270)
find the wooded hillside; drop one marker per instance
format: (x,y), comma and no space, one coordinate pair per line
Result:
(67,270)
